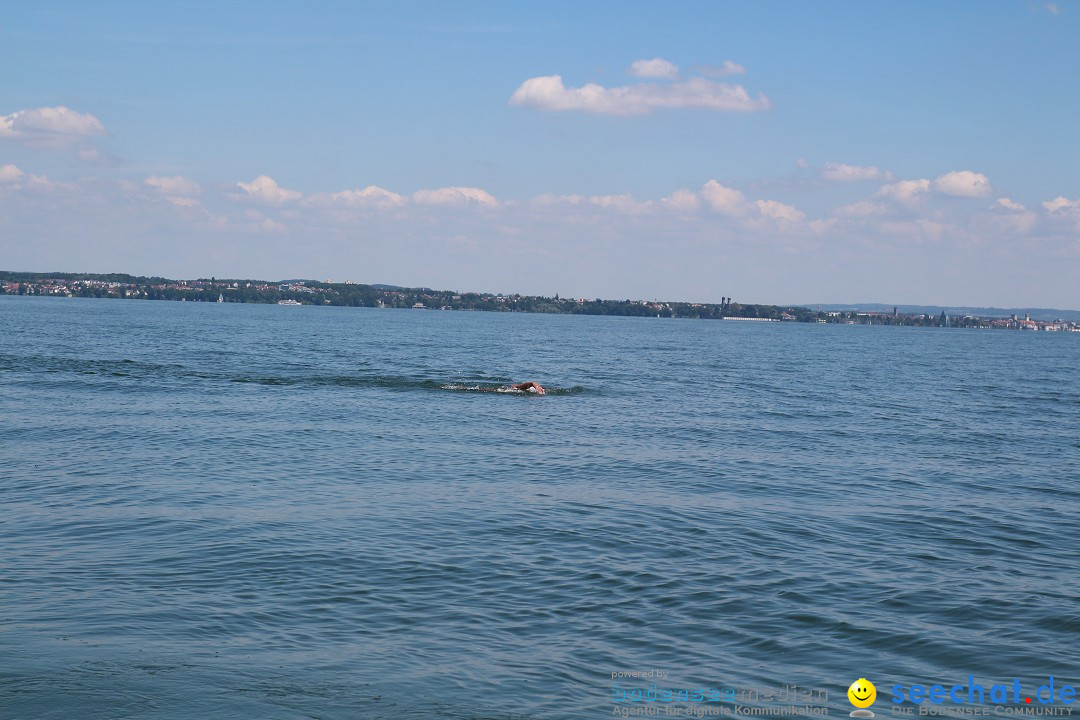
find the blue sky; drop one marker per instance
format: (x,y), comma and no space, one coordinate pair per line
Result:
(775,152)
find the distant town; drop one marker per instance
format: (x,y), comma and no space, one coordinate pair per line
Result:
(349,294)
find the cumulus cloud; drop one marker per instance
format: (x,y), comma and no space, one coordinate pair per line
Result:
(682,200)
(701,224)
(730,207)
(175,186)
(655,68)
(623,203)
(727,68)
(50,126)
(371,196)
(724,199)
(1008,204)
(549,93)
(913,195)
(10,174)
(182,201)
(1062,204)
(548,199)
(779,211)
(755,215)
(12,178)
(265,189)
(461,196)
(963,183)
(1010,216)
(253,221)
(906,194)
(904,191)
(843,173)
(1063,213)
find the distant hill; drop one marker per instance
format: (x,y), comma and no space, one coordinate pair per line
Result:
(1036,313)
(399,288)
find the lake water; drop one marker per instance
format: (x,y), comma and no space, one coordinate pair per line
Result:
(236,511)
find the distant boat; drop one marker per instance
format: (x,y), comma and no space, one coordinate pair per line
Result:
(288,302)
(220,298)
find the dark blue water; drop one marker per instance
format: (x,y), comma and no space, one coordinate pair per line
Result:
(228,511)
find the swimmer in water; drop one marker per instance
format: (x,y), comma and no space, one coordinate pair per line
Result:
(530,387)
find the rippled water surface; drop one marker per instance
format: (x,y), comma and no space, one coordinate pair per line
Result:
(229,511)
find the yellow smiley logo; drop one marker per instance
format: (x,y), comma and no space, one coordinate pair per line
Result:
(862,693)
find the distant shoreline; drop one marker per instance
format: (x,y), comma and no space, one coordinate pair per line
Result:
(308,292)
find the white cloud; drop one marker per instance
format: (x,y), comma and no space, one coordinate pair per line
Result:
(904,191)
(963,183)
(914,195)
(623,203)
(843,173)
(682,200)
(655,68)
(699,226)
(1063,213)
(728,68)
(42,184)
(779,211)
(549,93)
(548,199)
(50,126)
(822,226)
(1011,217)
(175,186)
(371,196)
(1008,204)
(907,194)
(1062,204)
(255,222)
(265,189)
(724,199)
(731,207)
(455,196)
(10,174)
(1052,8)
(922,210)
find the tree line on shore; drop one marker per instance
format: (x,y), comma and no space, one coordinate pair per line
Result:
(119,285)
(309,292)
